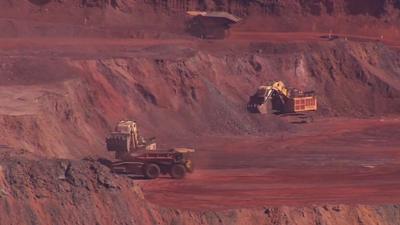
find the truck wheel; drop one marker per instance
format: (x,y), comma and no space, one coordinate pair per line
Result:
(178,171)
(151,171)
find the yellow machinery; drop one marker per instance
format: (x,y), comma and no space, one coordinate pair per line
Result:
(126,139)
(277,98)
(138,156)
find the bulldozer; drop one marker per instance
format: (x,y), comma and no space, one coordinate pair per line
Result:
(138,156)
(276,98)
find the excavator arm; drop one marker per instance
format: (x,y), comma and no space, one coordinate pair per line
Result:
(259,102)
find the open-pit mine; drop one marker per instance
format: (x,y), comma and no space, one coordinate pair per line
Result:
(274,112)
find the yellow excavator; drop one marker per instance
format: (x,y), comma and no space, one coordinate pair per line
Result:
(276,98)
(137,156)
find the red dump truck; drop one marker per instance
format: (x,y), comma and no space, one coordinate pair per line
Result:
(139,157)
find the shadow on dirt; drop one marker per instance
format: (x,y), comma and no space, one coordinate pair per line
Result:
(140,177)
(40,2)
(108,163)
(330,37)
(296,118)
(105,162)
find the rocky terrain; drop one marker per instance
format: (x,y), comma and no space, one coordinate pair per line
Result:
(69,70)
(58,191)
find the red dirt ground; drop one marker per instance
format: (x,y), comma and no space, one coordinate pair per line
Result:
(329,162)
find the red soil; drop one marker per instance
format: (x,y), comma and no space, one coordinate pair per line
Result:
(330,161)
(70,70)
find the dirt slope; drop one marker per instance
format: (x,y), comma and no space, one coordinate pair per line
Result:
(176,90)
